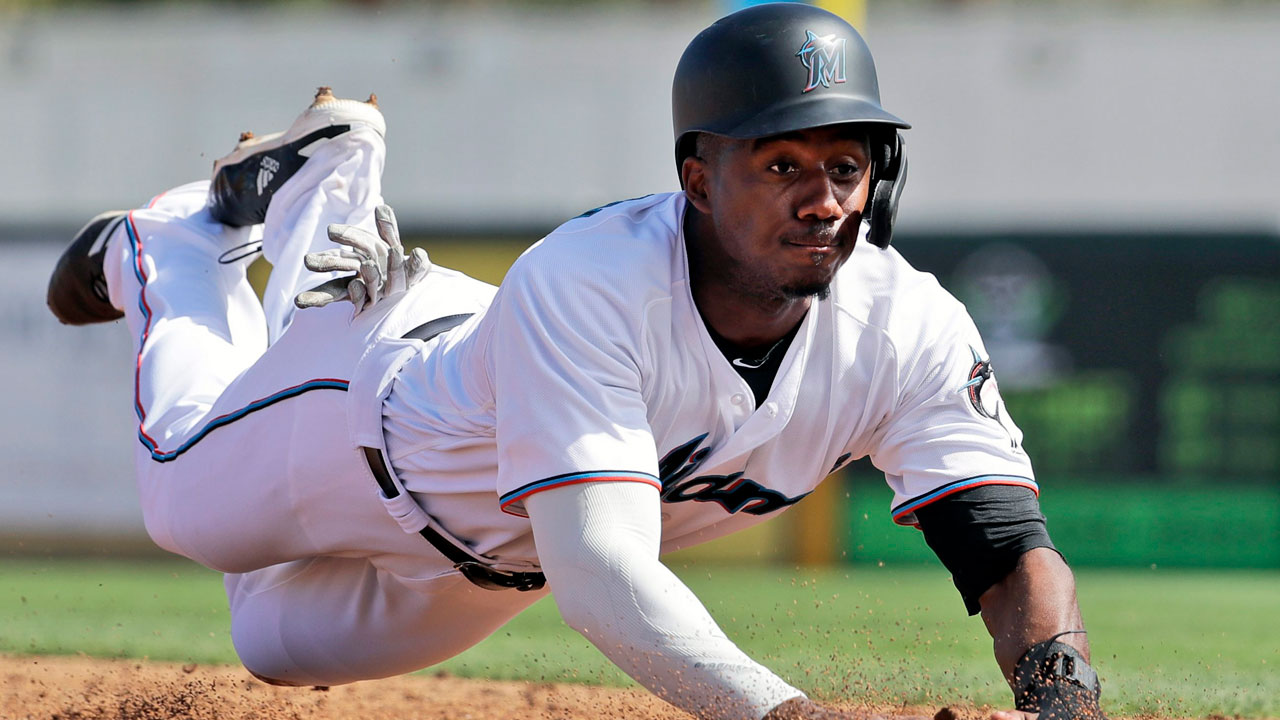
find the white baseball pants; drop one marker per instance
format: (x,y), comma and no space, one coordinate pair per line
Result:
(244,458)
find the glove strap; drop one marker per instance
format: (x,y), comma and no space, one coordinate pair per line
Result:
(1050,670)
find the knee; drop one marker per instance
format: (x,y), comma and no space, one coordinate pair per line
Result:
(273,649)
(160,530)
(264,655)
(169,533)
(218,550)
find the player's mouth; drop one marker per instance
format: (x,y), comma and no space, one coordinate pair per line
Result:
(814,248)
(814,244)
(821,237)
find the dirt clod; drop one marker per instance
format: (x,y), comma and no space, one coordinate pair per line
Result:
(947,713)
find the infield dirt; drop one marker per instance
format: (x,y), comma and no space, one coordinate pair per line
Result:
(81,688)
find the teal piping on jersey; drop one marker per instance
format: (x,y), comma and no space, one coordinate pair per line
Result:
(135,246)
(524,491)
(914,504)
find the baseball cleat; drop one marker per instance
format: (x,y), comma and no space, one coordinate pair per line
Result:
(245,180)
(78,287)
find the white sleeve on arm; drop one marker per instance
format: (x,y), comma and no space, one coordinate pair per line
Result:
(598,545)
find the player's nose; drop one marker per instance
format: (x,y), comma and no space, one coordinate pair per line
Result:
(818,199)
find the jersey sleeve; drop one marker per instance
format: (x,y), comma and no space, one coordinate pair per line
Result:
(565,365)
(950,430)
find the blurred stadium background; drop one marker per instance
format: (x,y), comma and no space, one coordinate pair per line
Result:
(1098,181)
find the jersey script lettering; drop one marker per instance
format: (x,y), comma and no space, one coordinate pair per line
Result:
(733,492)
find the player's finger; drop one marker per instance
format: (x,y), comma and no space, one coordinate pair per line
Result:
(1013,715)
(395,258)
(395,271)
(337,252)
(332,261)
(417,265)
(385,218)
(374,279)
(356,238)
(313,299)
(322,295)
(356,290)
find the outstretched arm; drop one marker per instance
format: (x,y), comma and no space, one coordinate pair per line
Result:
(1040,642)
(994,541)
(598,545)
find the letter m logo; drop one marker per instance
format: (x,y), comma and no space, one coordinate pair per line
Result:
(823,57)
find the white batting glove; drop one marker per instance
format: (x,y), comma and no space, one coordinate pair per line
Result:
(379,262)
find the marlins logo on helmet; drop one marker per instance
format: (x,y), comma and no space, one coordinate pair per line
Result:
(823,57)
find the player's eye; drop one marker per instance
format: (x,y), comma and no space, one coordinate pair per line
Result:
(844,171)
(782,167)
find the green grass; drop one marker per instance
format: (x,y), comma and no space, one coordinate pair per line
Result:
(1170,642)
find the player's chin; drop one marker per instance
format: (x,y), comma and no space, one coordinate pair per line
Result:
(819,289)
(811,282)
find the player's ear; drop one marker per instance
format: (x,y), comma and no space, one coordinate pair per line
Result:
(694,177)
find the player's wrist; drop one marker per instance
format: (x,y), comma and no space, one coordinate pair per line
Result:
(1054,678)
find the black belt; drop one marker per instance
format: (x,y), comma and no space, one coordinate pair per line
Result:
(465,562)
(478,573)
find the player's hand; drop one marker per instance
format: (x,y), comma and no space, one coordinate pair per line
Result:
(379,263)
(1055,713)
(806,709)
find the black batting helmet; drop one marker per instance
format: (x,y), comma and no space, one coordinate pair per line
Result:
(779,67)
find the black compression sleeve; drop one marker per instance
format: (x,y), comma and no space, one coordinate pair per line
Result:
(979,534)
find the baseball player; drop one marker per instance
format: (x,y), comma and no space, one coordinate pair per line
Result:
(386,486)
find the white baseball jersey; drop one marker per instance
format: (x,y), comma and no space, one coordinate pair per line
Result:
(592,363)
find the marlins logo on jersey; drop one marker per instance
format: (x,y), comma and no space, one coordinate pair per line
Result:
(984,394)
(823,57)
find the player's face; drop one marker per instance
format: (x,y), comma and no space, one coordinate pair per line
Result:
(786,209)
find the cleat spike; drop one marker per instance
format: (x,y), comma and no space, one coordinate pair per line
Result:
(246,135)
(324,94)
(373,100)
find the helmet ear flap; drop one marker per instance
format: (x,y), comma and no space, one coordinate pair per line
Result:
(888,178)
